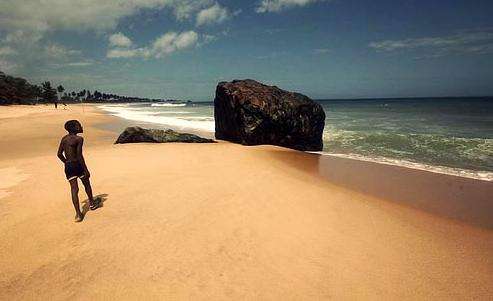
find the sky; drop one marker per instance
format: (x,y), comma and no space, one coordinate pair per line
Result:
(181,49)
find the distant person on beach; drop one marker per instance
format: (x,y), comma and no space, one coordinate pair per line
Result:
(70,153)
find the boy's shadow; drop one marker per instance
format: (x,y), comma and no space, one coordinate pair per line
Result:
(99,199)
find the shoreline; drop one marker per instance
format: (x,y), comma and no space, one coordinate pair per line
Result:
(439,169)
(425,181)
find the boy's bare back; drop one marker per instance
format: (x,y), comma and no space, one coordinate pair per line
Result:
(70,152)
(71,145)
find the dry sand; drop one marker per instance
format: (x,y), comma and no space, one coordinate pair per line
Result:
(223,221)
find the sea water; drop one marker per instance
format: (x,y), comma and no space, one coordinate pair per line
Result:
(446,135)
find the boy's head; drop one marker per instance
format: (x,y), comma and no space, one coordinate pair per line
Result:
(73,127)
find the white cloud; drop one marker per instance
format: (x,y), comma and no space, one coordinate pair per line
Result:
(28,21)
(269,6)
(80,64)
(185,9)
(25,26)
(164,45)
(213,14)
(172,41)
(128,53)
(208,38)
(101,15)
(475,42)
(59,52)
(84,63)
(119,40)
(22,37)
(38,56)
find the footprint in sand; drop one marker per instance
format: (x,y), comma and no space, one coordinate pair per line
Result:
(9,177)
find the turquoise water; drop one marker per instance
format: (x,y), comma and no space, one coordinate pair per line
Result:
(452,133)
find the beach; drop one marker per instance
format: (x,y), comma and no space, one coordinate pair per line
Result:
(228,222)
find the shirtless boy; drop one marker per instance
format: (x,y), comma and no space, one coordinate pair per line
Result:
(70,153)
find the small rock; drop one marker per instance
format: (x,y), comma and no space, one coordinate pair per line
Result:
(137,134)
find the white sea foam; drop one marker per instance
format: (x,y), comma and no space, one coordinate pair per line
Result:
(198,118)
(200,123)
(174,112)
(168,105)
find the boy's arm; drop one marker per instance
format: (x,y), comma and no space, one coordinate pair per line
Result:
(80,157)
(60,153)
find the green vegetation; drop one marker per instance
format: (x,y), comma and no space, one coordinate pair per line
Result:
(16,90)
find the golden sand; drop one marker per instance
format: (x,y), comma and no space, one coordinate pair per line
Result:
(228,222)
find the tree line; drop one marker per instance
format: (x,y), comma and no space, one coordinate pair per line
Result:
(16,90)
(59,94)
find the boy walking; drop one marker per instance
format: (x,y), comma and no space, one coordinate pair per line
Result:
(70,153)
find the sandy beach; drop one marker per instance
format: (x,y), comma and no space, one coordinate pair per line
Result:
(227,222)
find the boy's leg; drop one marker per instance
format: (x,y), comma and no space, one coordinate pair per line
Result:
(74,188)
(87,186)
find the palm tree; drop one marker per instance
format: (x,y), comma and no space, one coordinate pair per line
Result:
(38,92)
(60,90)
(49,94)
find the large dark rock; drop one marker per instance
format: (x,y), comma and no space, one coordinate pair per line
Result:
(252,113)
(137,134)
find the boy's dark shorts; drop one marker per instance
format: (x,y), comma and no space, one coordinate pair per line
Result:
(73,170)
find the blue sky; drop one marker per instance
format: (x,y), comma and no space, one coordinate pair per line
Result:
(183,48)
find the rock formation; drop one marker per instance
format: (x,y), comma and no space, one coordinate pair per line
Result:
(252,113)
(137,134)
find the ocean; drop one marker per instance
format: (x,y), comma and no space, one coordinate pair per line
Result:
(453,136)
